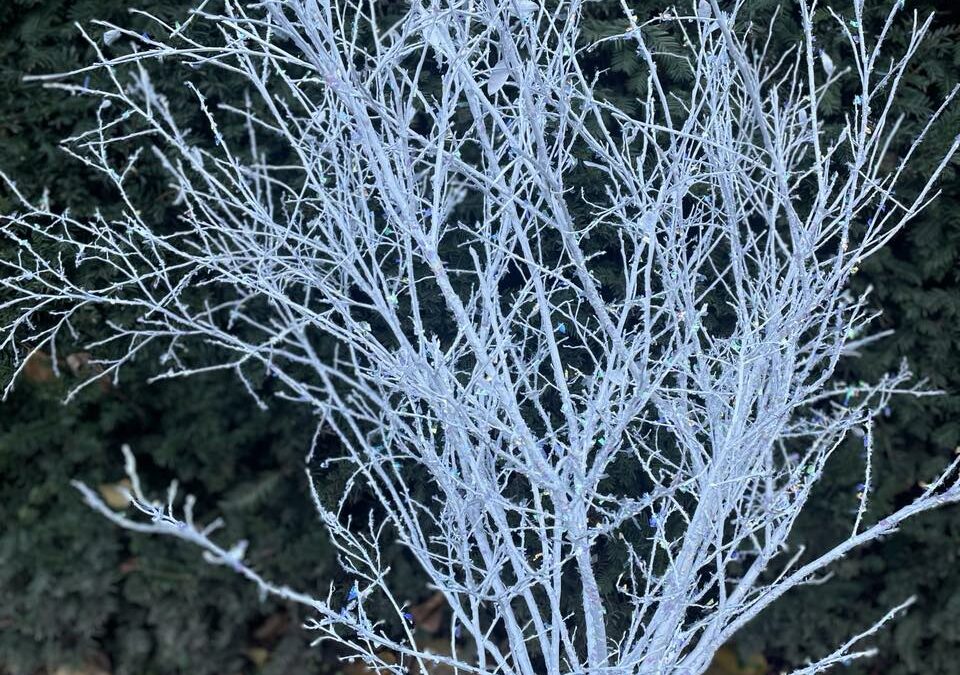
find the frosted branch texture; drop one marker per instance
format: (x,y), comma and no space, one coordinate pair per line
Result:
(404,190)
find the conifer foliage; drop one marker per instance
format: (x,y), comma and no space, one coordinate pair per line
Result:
(425,439)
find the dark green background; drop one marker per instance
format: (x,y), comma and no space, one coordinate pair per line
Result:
(75,590)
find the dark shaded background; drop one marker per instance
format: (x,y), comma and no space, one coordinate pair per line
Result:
(75,592)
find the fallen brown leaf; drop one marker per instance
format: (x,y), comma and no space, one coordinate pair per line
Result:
(113,494)
(38,368)
(428,615)
(98,664)
(359,668)
(258,655)
(727,662)
(273,627)
(77,362)
(80,365)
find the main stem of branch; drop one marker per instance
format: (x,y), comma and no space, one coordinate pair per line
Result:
(592,609)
